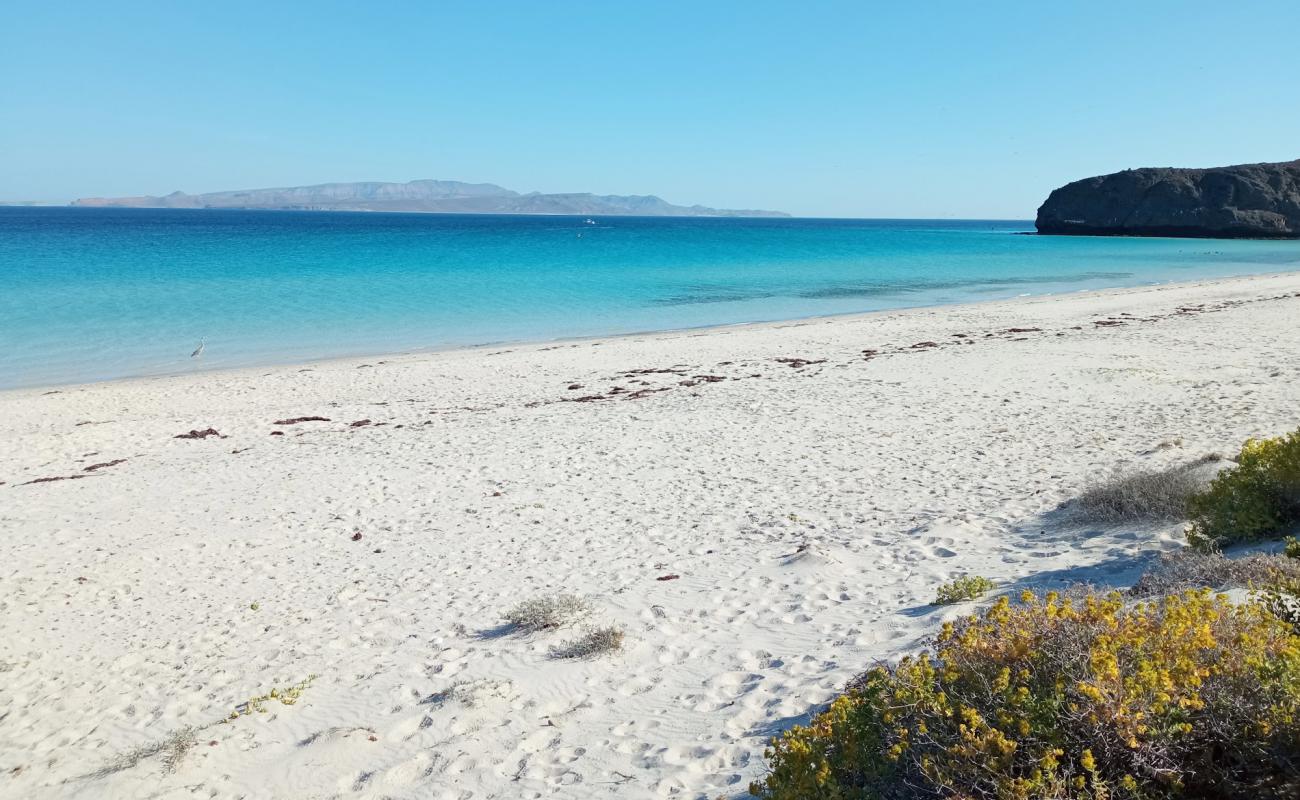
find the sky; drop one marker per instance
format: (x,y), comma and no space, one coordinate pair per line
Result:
(847,109)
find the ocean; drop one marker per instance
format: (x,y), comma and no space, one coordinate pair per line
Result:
(96,294)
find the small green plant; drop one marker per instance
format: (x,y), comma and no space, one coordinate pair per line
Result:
(257,705)
(254,605)
(959,590)
(1258,499)
(595,642)
(1292,548)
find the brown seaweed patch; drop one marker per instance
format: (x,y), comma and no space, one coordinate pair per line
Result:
(197,434)
(105,464)
(55,478)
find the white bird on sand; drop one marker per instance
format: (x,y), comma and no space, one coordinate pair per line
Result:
(198,351)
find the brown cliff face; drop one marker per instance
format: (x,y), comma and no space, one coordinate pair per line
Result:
(1244,201)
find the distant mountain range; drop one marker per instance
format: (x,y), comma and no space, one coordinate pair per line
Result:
(429,196)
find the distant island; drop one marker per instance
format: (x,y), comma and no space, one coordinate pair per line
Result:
(1247,201)
(426,196)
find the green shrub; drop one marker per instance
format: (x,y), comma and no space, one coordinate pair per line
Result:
(1292,547)
(959,590)
(1258,499)
(1189,696)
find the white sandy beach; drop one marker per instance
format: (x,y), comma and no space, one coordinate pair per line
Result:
(762,529)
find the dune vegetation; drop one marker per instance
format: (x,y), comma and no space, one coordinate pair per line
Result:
(1171,690)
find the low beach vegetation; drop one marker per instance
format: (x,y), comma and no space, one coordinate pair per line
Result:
(1191,569)
(1283,601)
(960,590)
(1150,495)
(287,695)
(546,613)
(1098,696)
(1258,499)
(596,641)
(171,751)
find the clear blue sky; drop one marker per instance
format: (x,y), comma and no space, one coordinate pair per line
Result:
(907,109)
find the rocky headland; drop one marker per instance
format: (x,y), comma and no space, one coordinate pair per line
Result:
(1237,202)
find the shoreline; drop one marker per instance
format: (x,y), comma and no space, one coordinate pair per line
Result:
(522,344)
(763,511)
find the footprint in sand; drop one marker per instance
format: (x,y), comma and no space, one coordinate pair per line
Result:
(638,684)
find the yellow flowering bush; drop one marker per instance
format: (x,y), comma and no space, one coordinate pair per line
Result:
(1257,499)
(1189,696)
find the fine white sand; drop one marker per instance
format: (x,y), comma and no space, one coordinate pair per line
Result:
(807,513)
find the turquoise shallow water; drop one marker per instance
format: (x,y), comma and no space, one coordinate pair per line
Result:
(91,294)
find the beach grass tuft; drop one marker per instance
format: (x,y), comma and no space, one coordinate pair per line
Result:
(171,750)
(546,613)
(1144,495)
(595,641)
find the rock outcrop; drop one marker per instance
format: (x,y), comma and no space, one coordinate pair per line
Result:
(1245,201)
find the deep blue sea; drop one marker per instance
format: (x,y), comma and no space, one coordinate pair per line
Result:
(91,294)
